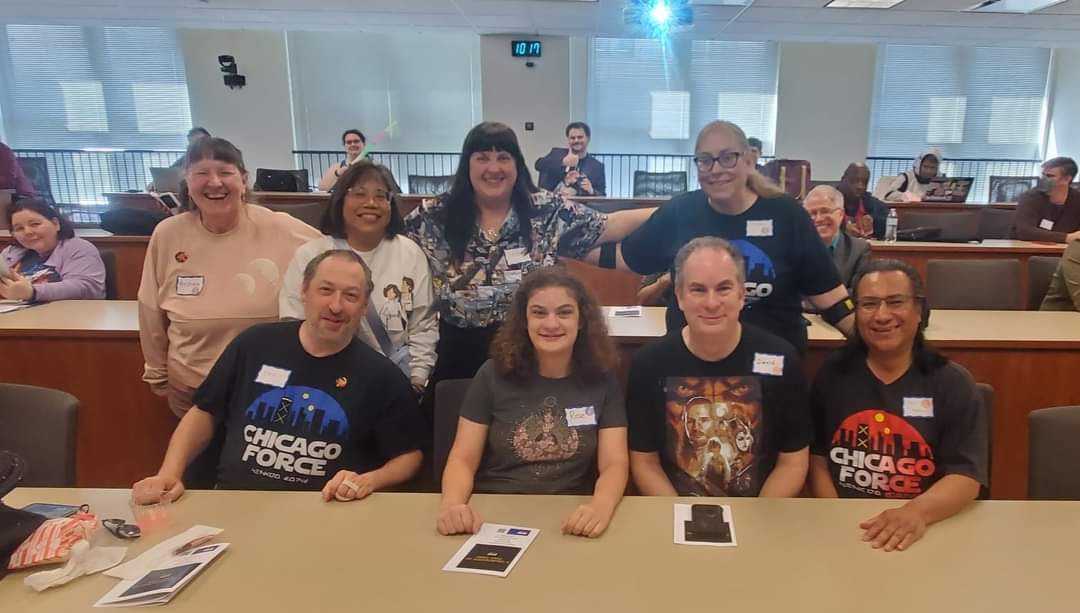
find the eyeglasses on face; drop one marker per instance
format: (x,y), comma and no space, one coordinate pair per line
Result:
(726,160)
(870,304)
(378,197)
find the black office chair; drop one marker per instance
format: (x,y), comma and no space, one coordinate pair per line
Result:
(39,424)
(1053,454)
(430,185)
(955,227)
(449,396)
(987,393)
(1008,189)
(974,284)
(658,184)
(1041,270)
(310,213)
(36,170)
(108,258)
(996,223)
(270,180)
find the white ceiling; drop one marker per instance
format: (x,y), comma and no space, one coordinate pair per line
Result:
(918,21)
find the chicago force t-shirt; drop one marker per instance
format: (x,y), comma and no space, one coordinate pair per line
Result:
(293,420)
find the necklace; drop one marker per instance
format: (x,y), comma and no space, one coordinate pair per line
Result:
(490,233)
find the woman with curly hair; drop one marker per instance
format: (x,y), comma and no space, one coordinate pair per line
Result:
(545,414)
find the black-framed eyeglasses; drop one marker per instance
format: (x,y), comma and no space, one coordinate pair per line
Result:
(379,197)
(726,160)
(122,529)
(892,303)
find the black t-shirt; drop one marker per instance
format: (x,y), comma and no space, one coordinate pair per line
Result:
(293,420)
(718,426)
(897,440)
(785,258)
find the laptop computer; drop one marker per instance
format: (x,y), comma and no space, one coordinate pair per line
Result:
(948,189)
(166,179)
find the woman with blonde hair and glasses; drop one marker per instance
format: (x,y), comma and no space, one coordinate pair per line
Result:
(545,414)
(785,259)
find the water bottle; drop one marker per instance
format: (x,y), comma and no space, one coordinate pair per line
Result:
(891,223)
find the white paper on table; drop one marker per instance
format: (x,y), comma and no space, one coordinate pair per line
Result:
(161,583)
(508,542)
(683,515)
(152,558)
(7,306)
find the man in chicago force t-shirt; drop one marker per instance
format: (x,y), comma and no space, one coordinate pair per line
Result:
(305,405)
(717,408)
(895,419)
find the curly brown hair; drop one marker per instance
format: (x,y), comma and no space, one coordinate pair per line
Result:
(594,352)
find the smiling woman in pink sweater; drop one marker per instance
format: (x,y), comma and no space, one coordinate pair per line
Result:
(210,272)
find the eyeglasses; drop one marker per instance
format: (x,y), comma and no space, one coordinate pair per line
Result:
(892,303)
(378,197)
(727,160)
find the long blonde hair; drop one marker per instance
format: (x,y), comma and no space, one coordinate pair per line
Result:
(757,182)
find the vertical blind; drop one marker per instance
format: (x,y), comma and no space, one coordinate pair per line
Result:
(970,102)
(424,87)
(653,96)
(76,87)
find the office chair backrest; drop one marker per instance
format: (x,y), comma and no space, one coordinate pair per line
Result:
(996,223)
(1008,189)
(659,184)
(449,395)
(1053,455)
(962,226)
(39,424)
(974,284)
(987,393)
(1041,270)
(430,185)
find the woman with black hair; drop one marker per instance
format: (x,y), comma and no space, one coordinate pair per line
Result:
(493,227)
(363,215)
(895,419)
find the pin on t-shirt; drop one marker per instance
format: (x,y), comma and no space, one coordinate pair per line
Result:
(918,407)
(759,227)
(1046,224)
(581,416)
(272,376)
(768,364)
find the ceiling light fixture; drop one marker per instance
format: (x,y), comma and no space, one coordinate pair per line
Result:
(862,4)
(1012,6)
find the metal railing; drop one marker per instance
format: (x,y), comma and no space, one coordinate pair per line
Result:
(77,178)
(980,170)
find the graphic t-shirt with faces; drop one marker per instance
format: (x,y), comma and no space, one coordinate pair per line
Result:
(293,420)
(543,434)
(897,440)
(718,427)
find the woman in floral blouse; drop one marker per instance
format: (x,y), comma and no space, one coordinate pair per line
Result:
(491,229)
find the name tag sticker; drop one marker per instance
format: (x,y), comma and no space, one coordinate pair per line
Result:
(581,416)
(1046,224)
(190,285)
(918,407)
(516,256)
(273,376)
(768,364)
(759,227)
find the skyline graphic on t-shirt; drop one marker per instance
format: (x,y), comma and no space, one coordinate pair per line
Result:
(301,409)
(760,271)
(713,428)
(877,453)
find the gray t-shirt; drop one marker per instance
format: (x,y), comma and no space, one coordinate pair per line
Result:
(542,436)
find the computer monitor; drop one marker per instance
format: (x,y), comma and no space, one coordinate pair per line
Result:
(270,180)
(166,180)
(952,189)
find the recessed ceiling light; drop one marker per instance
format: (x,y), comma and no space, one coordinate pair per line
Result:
(862,4)
(1012,6)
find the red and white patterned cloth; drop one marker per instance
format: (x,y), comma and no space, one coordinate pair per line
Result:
(53,540)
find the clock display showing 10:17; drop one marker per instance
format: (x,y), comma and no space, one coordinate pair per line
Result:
(525,48)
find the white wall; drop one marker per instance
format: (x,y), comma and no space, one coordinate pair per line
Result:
(514,94)
(825,98)
(1064,124)
(256,118)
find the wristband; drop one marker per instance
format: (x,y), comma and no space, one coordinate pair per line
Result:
(837,312)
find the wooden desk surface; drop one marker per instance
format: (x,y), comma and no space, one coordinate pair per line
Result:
(1017,329)
(988,246)
(292,552)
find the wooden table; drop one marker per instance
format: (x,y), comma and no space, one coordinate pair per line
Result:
(1031,358)
(130,253)
(90,349)
(292,552)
